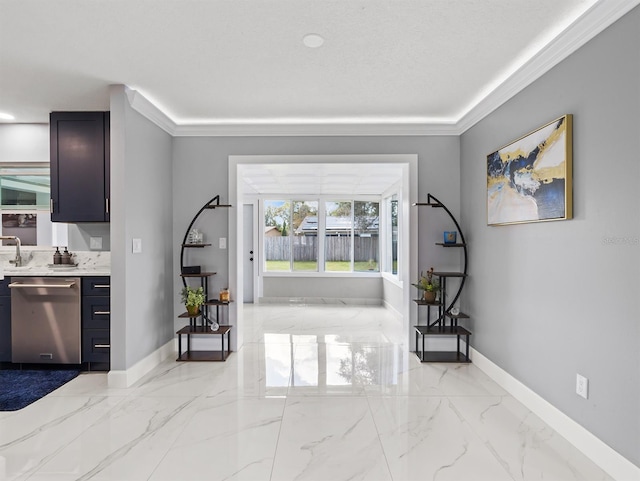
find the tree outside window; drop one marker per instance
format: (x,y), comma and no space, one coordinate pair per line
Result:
(366,217)
(304,222)
(277,248)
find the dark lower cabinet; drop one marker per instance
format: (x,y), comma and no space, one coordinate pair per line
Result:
(5,321)
(96,348)
(80,166)
(96,323)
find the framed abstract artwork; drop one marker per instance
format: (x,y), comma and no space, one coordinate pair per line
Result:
(529,180)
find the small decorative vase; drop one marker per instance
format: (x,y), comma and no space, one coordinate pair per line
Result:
(224,295)
(193,310)
(430,296)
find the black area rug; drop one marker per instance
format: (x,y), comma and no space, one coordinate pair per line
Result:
(21,388)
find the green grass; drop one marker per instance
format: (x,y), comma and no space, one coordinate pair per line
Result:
(312,266)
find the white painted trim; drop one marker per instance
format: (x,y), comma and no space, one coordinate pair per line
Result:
(408,236)
(590,24)
(600,453)
(331,301)
(396,313)
(144,106)
(235,257)
(126,378)
(271,128)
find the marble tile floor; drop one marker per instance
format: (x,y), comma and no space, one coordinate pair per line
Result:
(321,393)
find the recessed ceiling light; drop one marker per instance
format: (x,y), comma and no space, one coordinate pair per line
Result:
(313,40)
(5,116)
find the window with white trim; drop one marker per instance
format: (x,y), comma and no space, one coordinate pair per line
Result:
(340,235)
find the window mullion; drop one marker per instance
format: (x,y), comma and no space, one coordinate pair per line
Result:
(290,233)
(399,222)
(321,235)
(382,235)
(353,235)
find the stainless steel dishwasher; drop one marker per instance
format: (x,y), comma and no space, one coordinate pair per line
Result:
(45,320)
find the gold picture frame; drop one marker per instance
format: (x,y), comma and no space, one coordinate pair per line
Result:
(530,179)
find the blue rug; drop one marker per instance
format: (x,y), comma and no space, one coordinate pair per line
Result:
(21,388)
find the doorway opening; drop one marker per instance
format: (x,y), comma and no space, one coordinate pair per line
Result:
(254,178)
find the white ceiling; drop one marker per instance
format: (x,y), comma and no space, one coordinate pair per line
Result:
(243,62)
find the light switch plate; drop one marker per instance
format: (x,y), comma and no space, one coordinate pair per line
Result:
(582,386)
(95,243)
(137,246)
(222,243)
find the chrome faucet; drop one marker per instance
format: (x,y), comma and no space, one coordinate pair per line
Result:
(18,260)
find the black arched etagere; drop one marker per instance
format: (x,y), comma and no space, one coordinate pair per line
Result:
(212,204)
(439,327)
(209,326)
(433,202)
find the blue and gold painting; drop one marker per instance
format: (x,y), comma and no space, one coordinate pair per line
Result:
(529,180)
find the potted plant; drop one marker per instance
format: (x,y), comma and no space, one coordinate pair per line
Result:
(193,298)
(428,284)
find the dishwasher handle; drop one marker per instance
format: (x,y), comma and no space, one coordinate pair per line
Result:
(55,286)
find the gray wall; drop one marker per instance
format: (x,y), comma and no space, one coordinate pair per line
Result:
(324,287)
(24,142)
(207,157)
(438,175)
(553,299)
(80,236)
(141,186)
(200,172)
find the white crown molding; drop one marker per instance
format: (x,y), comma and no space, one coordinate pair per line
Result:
(315,129)
(142,105)
(591,23)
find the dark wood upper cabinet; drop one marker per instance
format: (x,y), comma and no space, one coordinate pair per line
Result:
(79,166)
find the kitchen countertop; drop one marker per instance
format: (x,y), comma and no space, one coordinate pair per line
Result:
(38,261)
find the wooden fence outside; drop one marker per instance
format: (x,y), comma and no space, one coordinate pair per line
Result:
(305,248)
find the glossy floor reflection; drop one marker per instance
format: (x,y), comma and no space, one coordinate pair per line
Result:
(316,393)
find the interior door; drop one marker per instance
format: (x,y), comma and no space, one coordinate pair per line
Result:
(248,253)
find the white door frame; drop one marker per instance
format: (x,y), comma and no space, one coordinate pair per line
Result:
(409,240)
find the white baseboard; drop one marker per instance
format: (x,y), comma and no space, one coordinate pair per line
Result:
(126,378)
(392,310)
(616,465)
(300,301)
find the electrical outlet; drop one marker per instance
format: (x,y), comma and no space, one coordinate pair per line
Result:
(95,243)
(582,386)
(137,246)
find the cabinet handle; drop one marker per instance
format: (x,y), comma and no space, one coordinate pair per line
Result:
(102,312)
(101,286)
(102,345)
(51,206)
(106,201)
(48,286)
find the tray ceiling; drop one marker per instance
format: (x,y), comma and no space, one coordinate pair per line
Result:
(231,63)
